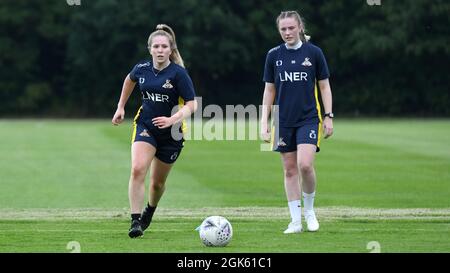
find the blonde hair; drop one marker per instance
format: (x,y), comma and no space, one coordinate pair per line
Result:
(165,30)
(294,14)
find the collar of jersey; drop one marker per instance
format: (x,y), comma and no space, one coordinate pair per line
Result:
(295,47)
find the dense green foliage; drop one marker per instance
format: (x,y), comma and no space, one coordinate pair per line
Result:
(62,60)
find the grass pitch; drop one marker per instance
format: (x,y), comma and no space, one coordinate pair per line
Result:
(378,180)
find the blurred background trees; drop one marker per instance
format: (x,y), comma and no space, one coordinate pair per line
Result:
(59,60)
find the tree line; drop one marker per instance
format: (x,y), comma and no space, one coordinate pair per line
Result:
(64,60)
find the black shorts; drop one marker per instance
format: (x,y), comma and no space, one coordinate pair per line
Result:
(167,148)
(288,138)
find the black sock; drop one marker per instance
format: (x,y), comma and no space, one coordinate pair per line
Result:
(135,216)
(150,208)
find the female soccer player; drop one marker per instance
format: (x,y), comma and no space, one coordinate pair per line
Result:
(293,73)
(165,85)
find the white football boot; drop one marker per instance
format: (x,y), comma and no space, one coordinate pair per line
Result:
(311,221)
(294,227)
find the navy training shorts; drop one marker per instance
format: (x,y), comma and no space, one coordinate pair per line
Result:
(167,148)
(287,138)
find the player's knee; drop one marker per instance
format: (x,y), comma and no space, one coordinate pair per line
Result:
(306,168)
(291,171)
(138,172)
(157,185)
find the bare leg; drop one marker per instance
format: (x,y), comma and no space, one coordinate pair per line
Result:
(293,191)
(291,177)
(159,173)
(142,154)
(305,156)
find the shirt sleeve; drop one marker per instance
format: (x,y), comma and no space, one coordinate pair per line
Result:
(133,73)
(321,67)
(268,69)
(185,86)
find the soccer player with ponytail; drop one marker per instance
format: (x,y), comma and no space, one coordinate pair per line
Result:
(168,97)
(294,73)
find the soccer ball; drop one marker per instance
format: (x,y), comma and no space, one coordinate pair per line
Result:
(215,231)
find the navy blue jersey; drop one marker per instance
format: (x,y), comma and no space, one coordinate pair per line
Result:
(295,73)
(161,90)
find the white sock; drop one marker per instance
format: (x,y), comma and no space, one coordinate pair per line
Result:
(308,200)
(295,209)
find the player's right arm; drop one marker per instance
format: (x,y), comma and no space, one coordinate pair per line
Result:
(268,99)
(127,89)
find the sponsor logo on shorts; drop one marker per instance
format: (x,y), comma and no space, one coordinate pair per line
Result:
(144,133)
(174,156)
(313,134)
(281,142)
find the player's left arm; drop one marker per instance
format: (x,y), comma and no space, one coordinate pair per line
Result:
(327,101)
(188,108)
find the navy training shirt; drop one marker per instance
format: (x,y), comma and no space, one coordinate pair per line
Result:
(295,73)
(161,90)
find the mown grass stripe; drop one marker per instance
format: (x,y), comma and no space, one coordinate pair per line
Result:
(232,212)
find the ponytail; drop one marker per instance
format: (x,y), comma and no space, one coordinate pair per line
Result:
(165,30)
(294,14)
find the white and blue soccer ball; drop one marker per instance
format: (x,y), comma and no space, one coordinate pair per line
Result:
(215,231)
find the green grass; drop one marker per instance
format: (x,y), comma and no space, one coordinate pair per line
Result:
(82,164)
(255,230)
(250,236)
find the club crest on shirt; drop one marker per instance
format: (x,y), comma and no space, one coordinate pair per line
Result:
(306,62)
(167,85)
